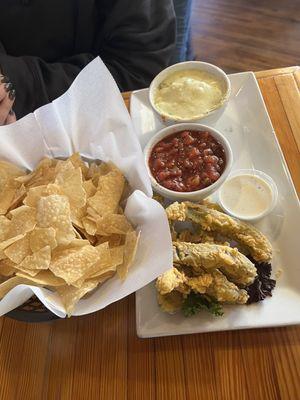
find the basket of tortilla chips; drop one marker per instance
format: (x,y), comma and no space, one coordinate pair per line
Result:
(77,232)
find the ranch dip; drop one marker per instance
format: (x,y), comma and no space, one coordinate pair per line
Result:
(246,196)
(189,94)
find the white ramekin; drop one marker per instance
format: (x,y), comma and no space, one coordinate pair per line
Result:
(209,118)
(198,194)
(262,175)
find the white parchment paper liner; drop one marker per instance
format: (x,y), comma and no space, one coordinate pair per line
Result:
(91,118)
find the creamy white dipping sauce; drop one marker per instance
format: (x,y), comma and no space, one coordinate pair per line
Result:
(189,94)
(246,196)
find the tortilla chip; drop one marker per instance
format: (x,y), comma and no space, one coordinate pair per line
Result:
(89,187)
(107,264)
(104,262)
(113,223)
(71,185)
(8,242)
(93,173)
(7,268)
(84,234)
(89,226)
(44,164)
(6,198)
(105,168)
(4,179)
(54,211)
(6,286)
(73,264)
(44,173)
(109,192)
(41,237)
(63,167)
(92,213)
(30,272)
(23,220)
(104,276)
(117,255)
(11,170)
(113,240)
(78,162)
(43,278)
(5,224)
(20,194)
(70,295)
(38,260)
(17,251)
(76,216)
(52,188)
(33,195)
(75,244)
(130,248)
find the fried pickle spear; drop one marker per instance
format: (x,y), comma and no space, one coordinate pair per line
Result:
(170,302)
(205,256)
(170,280)
(199,236)
(199,284)
(215,221)
(224,291)
(173,287)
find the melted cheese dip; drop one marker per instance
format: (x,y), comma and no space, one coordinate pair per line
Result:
(246,196)
(189,94)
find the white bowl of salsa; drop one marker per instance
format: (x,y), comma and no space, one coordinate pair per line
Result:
(191,91)
(188,161)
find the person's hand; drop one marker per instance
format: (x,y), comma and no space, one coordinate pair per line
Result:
(7,98)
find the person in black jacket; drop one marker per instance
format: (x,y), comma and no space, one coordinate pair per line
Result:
(45,43)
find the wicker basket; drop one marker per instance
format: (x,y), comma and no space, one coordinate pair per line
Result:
(32,311)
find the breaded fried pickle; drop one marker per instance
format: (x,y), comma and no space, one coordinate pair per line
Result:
(200,283)
(217,286)
(198,237)
(224,291)
(205,256)
(212,220)
(173,287)
(169,281)
(170,302)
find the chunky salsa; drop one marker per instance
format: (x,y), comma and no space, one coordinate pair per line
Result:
(187,161)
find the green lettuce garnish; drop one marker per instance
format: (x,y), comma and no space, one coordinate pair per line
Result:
(196,302)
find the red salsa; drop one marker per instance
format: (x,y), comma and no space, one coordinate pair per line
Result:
(187,161)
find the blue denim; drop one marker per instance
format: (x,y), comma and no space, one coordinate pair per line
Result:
(183,51)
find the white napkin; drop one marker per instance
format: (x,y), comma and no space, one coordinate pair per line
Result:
(91,118)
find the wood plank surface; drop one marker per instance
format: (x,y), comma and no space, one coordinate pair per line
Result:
(141,361)
(99,356)
(276,72)
(240,35)
(282,126)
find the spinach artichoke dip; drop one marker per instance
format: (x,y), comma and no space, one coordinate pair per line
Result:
(189,94)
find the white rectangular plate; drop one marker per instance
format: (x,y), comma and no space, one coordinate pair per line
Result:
(248,128)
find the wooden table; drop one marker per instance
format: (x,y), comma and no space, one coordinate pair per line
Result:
(99,356)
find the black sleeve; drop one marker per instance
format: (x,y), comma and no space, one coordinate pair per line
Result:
(135,40)
(2,50)
(37,82)
(138,40)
